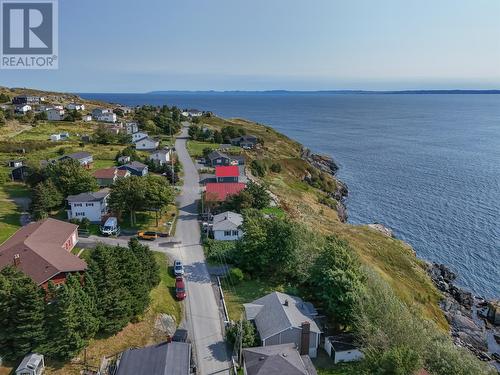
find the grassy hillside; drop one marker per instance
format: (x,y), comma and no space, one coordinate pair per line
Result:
(393,259)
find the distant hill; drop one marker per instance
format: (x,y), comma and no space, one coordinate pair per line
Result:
(361,92)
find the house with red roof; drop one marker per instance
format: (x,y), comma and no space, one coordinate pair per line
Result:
(220,191)
(230,173)
(108,176)
(42,251)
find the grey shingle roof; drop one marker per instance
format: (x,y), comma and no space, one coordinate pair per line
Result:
(274,317)
(89,196)
(136,165)
(79,155)
(276,360)
(217,154)
(227,221)
(162,359)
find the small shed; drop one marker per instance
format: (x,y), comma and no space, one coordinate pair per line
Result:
(124,159)
(32,364)
(342,348)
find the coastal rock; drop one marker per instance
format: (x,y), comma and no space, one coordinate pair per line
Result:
(382,229)
(342,212)
(468,331)
(322,162)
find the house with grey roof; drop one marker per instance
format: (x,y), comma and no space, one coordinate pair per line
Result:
(147,143)
(217,158)
(161,157)
(173,358)
(89,205)
(83,157)
(226,226)
(282,319)
(245,141)
(32,364)
(276,360)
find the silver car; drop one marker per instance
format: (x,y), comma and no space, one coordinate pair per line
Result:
(178,268)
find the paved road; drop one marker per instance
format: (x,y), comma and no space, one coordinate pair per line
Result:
(202,309)
(203,317)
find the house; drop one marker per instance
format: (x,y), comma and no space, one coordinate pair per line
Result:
(100,111)
(135,168)
(229,173)
(161,157)
(281,359)
(86,118)
(54,114)
(106,117)
(15,163)
(216,158)
(219,192)
(192,113)
(19,173)
(168,358)
(132,127)
(126,110)
(57,106)
(83,157)
(108,176)
(124,159)
(42,251)
(26,99)
(114,129)
(245,141)
(283,319)
(138,136)
(227,226)
(342,348)
(32,364)
(75,107)
(23,108)
(147,144)
(59,137)
(90,205)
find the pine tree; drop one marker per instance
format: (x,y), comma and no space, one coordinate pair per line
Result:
(113,298)
(149,267)
(23,305)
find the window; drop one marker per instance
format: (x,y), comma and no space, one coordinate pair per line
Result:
(227,233)
(77,205)
(235,232)
(89,204)
(80,214)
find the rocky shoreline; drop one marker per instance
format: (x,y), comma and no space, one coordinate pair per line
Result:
(326,164)
(471,318)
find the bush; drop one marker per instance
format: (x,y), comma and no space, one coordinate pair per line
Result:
(276,168)
(258,168)
(220,251)
(249,334)
(236,275)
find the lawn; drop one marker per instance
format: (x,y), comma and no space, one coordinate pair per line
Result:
(195,148)
(134,334)
(10,212)
(146,220)
(244,292)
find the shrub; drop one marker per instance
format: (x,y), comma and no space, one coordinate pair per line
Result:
(220,251)
(258,168)
(236,275)
(276,168)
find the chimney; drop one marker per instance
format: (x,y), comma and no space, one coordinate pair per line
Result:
(304,338)
(17,260)
(286,302)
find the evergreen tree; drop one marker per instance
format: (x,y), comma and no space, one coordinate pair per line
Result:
(46,197)
(113,298)
(70,177)
(22,316)
(149,267)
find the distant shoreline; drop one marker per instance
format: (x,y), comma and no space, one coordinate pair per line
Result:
(293,92)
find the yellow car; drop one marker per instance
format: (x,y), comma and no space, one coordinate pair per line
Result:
(151,236)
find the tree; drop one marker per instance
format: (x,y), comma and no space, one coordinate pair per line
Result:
(250,255)
(70,177)
(258,168)
(72,319)
(41,116)
(2,119)
(336,280)
(103,136)
(46,197)
(128,195)
(158,195)
(249,337)
(21,314)
(261,198)
(399,360)
(218,137)
(150,272)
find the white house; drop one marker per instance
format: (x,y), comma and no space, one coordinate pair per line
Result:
(138,135)
(59,136)
(90,205)
(32,364)
(161,157)
(54,114)
(192,113)
(57,106)
(131,127)
(126,110)
(341,348)
(23,108)
(75,106)
(227,226)
(146,144)
(106,117)
(86,118)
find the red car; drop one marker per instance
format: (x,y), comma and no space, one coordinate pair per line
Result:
(180,288)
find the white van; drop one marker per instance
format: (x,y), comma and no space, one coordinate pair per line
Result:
(110,227)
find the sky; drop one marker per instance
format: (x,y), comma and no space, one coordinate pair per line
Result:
(141,46)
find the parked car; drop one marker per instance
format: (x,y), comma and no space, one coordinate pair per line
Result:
(180,288)
(110,227)
(178,268)
(147,235)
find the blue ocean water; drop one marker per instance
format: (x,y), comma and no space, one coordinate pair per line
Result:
(427,166)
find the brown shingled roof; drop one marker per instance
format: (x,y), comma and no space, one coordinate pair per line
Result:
(39,246)
(105,173)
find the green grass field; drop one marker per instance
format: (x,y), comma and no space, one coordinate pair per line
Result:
(10,212)
(195,148)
